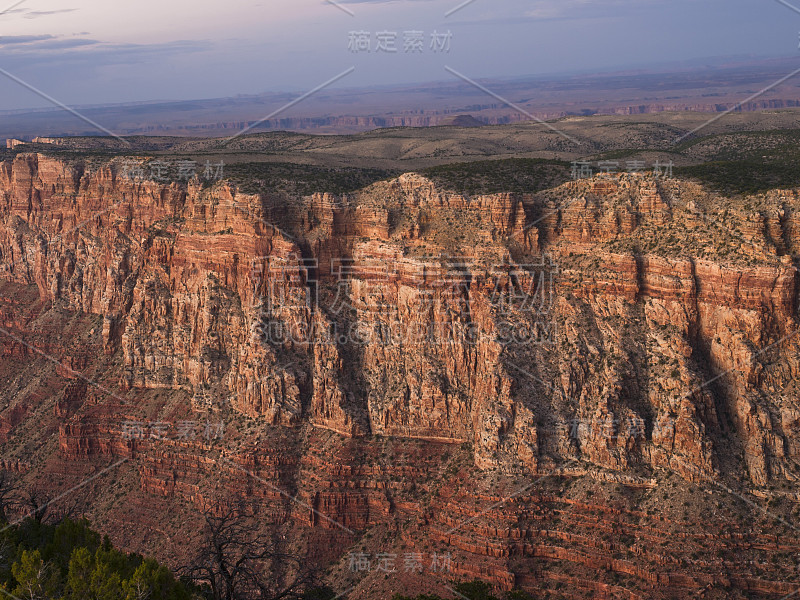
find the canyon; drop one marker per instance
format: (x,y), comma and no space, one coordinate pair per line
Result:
(588,391)
(717,86)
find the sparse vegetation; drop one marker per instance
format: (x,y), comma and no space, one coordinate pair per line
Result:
(301,180)
(521,175)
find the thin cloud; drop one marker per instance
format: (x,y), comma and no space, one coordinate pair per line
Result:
(15,40)
(67,44)
(30,50)
(36,14)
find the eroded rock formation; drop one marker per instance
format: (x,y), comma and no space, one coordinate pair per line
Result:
(627,325)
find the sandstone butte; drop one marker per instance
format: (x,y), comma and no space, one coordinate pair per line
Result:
(607,358)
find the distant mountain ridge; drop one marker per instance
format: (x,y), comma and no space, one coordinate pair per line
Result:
(458,103)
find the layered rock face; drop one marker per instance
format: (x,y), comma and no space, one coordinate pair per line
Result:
(409,311)
(617,328)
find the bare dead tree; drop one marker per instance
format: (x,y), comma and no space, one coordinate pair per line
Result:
(9,494)
(38,502)
(141,591)
(237,560)
(69,507)
(35,502)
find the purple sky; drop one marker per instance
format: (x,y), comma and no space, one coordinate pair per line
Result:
(91,52)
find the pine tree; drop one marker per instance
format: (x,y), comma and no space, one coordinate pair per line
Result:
(36,579)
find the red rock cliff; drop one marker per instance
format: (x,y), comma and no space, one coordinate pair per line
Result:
(626,324)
